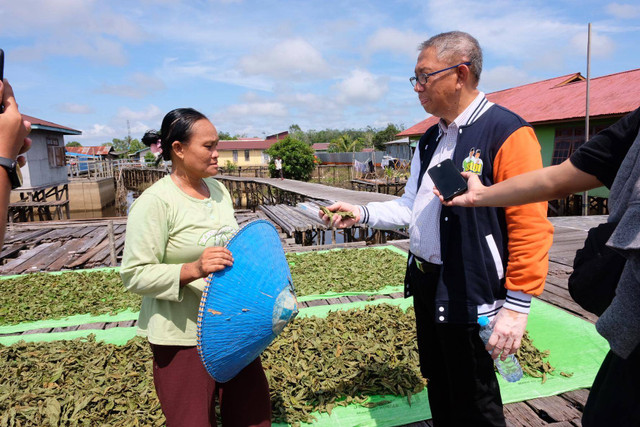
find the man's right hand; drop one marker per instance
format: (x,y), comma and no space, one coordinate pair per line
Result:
(337,220)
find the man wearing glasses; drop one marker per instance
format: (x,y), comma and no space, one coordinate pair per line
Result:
(465,262)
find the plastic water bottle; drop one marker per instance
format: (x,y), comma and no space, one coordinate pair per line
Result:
(510,368)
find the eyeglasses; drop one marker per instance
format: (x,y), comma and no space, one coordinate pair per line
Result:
(422,78)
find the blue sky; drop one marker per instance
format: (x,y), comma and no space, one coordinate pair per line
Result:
(256,67)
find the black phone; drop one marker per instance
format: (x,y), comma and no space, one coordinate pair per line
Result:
(447,179)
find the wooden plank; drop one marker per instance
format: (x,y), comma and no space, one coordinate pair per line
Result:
(520,414)
(554,408)
(44,258)
(316,302)
(15,265)
(93,239)
(88,326)
(67,253)
(8,251)
(88,255)
(37,331)
(577,398)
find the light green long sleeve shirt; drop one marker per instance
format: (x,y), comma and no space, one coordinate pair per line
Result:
(167,228)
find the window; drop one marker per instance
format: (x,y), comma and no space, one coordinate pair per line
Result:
(246,155)
(55,153)
(568,140)
(235,156)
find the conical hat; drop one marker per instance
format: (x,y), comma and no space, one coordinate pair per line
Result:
(244,307)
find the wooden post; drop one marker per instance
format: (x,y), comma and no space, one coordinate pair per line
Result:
(112,243)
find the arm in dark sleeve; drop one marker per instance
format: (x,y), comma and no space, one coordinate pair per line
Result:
(602,155)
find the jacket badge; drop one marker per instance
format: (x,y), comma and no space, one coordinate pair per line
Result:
(473,163)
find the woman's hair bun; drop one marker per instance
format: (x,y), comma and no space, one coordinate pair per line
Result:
(151,137)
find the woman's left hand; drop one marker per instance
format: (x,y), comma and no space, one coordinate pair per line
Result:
(213,259)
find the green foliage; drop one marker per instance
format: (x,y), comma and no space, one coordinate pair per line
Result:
(386,135)
(367,137)
(346,144)
(41,296)
(135,145)
(297,159)
(149,157)
(73,144)
(226,136)
(230,166)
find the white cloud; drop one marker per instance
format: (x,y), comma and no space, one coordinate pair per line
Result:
(151,114)
(395,41)
(601,46)
(139,86)
(623,11)
(289,58)
(69,28)
(503,77)
(361,87)
(72,108)
(98,131)
(274,109)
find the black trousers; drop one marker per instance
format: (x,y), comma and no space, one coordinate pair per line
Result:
(462,385)
(614,399)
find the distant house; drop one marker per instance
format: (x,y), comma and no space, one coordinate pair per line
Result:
(320,147)
(556,110)
(244,152)
(248,151)
(101,151)
(399,148)
(46,163)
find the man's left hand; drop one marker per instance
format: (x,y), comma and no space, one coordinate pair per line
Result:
(508,329)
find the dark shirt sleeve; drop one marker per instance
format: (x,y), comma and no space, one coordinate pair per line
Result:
(602,155)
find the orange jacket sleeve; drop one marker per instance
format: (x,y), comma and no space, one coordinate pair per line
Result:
(530,232)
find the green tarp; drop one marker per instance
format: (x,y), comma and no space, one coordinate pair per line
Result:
(574,344)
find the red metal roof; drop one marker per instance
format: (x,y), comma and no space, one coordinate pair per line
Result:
(320,146)
(278,136)
(35,123)
(91,151)
(563,99)
(245,144)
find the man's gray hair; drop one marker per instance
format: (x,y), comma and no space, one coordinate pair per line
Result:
(457,46)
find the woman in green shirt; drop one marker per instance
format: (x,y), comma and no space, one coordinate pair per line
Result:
(176,233)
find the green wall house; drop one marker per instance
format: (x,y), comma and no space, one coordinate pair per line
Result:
(556,110)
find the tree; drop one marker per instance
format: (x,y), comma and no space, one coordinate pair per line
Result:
(345,144)
(386,135)
(297,159)
(135,145)
(149,157)
(226,136)
(73,144)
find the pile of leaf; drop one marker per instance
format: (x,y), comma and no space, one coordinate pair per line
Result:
(315,365)
(533,361)
(51,296)
(347,270)
(78,382)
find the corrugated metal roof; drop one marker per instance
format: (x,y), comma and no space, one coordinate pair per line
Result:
(91,151)
(43,124)
(563,99)
(320,146)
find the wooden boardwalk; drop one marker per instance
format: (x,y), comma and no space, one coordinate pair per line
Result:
(75,241)
(310,190)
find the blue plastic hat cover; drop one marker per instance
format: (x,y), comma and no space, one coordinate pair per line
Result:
(244,307)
